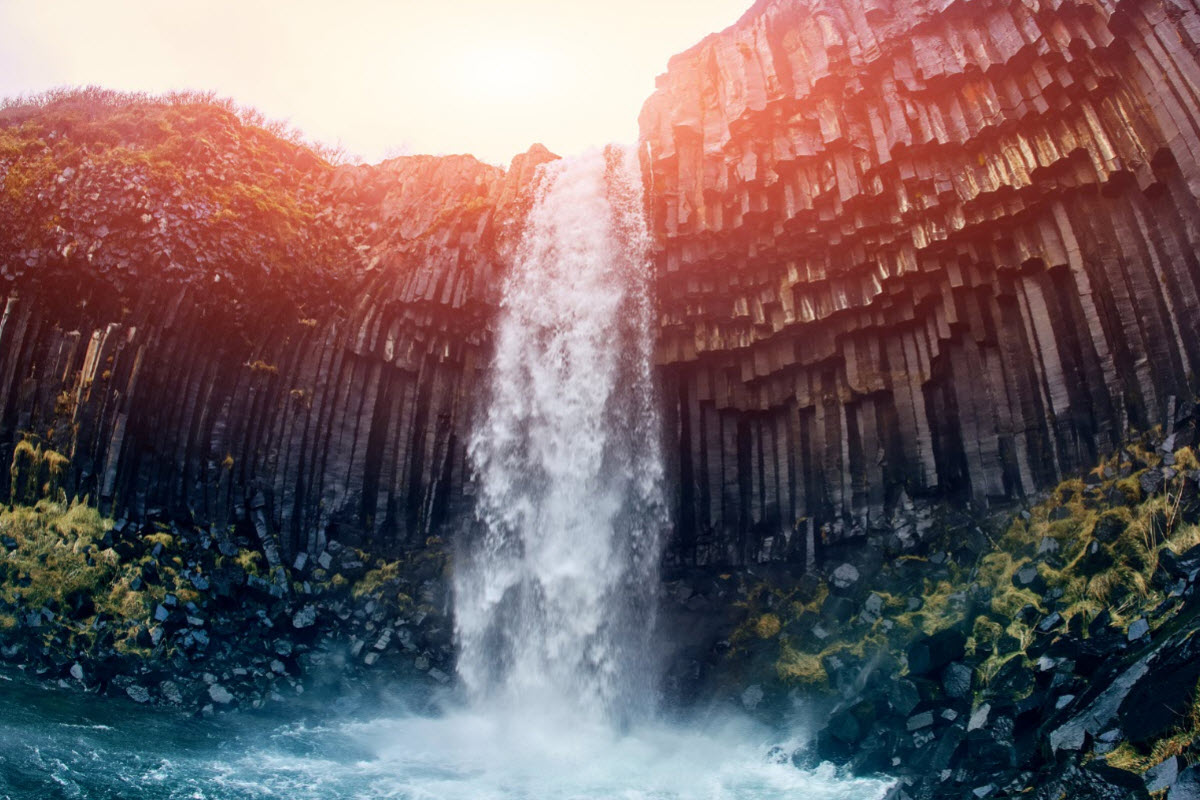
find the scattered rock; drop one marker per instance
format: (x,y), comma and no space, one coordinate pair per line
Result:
(934,652)
(220,694)
(956,680)
(1163,775)
(305,617)
(1186,786)
(844,578)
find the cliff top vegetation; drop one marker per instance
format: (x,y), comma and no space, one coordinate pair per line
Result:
(184,187)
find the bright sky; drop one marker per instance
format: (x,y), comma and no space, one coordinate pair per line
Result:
(486,77)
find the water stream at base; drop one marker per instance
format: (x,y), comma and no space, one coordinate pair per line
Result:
(554,600)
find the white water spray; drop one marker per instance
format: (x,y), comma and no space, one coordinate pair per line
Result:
(554,602)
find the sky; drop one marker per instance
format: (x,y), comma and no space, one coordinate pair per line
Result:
(380,79)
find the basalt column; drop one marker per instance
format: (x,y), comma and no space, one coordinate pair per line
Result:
(917,248)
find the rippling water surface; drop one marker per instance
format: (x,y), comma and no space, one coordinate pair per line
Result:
(64,744)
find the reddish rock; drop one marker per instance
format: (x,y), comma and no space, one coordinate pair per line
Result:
(917,246)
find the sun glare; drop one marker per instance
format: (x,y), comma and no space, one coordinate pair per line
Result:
(505,73)
(466,76)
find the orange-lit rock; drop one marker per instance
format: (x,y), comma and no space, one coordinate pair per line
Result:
(917,247)
(319,394)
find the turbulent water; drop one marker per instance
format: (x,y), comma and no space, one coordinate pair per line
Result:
(554,593)
(69,745)
(554,601)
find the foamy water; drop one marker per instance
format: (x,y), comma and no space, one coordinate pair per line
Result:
(555,597)
(73,745)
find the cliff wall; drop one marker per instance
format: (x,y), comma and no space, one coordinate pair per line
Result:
(212,323)
(905,248)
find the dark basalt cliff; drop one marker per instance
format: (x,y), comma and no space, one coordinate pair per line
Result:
(213,324)
(909,248)
(922,247)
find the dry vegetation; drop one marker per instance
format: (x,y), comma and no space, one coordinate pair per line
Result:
(180,186)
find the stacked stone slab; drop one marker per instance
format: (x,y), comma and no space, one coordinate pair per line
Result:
(917,247)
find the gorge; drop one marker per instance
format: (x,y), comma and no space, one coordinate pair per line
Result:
(916,267)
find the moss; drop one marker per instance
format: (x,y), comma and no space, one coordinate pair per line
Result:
(374,581)
(801,669)
(986,630)
(36,473)
(58,557)
(250,561)
(1130,488)
(1175,743)
(1185,459)
(165,539)
(767,626)
(1183,539)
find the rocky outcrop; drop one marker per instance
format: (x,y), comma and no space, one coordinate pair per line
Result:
(303,372)
(917,248)
(905,250)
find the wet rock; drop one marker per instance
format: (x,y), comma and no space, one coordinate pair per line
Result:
(1048,546)
(1151,482)
(935,652)
(1186,786)
(138,694)
(991,747)
(1158,700)
(956,680)
(979,717)
(304,618)
(903,696)
(170,692)
(220,694)
(1093,782)
(837,609)
(918,721)
(872,607)
(844,578)
(1163,776)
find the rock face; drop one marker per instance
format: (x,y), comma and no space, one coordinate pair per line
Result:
(917,247)
(317,394)
(906,250)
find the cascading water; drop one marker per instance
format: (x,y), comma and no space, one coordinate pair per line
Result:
(555,602)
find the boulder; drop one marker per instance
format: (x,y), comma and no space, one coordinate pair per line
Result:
(934,652)
(305,617)
(1186,786)
(844,578)
(1162,776)
(956,680)
(1093,782)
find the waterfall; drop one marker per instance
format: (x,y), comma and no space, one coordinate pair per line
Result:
(555,596)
